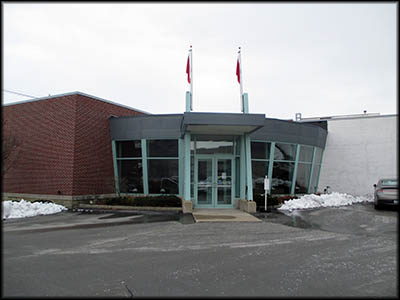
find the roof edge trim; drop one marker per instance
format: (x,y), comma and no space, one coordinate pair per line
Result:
(76,93)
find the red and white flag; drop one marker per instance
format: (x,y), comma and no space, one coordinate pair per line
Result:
(239,75)
(238,70)
(188,69)
(189,72)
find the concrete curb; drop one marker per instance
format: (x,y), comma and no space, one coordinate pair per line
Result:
(223,215)
(124,207)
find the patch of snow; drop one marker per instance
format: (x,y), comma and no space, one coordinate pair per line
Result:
(22,209)
(324,200)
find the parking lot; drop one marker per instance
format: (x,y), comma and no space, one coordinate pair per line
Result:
(327,252)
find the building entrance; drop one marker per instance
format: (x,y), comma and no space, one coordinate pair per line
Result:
(213,181)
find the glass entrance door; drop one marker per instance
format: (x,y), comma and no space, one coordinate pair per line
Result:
(213,181)
(205,182)
(224,181)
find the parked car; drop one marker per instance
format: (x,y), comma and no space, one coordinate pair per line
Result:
(386,192)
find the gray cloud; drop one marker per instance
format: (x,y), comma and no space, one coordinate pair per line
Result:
(318,59)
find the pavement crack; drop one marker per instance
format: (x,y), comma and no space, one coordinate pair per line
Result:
(130,292)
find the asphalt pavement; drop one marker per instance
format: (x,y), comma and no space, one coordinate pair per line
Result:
(331,252)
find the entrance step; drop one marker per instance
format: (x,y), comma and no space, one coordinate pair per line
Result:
(222,215)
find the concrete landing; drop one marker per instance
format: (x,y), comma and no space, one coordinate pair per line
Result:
(222,215)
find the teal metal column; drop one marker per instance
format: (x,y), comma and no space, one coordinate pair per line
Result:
(187,167)
(242,168)
(271,165)
(295,170)
(188,102)
(245,99)
(248,168)
(144,168)
(116,177)
(181,163)
(312,170)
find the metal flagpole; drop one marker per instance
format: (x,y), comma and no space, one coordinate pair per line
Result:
(191,77)
(241,78)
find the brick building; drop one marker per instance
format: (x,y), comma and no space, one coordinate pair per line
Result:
(64,148)
(73,147)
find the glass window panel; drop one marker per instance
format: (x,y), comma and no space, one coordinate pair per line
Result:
(285,151)
(306,153)
(224,195)
(314,183)
(211,147)
(192,147)
(260,150)
(191,178)
(318,155)
(224,181)
(282,175)
(224,171)
(204,195)
(204,172)
(237,145)
(163,176)
(130,176)
(302,178)
(389,182)
(162,148)
(259,171)
(129,148)
(237,179)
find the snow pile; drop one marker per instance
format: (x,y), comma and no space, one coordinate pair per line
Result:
(324,200)
(22,209)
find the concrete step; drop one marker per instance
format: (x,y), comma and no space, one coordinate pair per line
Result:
(222,215)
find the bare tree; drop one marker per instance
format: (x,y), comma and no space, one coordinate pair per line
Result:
(10,148)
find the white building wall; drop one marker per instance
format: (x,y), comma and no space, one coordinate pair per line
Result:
(358,152)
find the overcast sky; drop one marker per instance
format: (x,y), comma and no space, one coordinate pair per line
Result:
(317,59)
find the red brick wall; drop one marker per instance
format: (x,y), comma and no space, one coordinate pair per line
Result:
(45,131)
(93,164)
(65,146)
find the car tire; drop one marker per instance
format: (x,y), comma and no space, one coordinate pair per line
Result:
(377,206)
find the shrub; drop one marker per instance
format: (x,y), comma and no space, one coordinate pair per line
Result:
(153,201)
(271,200)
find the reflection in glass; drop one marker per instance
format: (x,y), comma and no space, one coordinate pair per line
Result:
(260,150)
(130,176)
(204,182)
(237,145)
(204,195)
(129,148)
(259,170)
(306,153)
(282,177)
(285,151)
(163,176)
(191,177)
(192,147)
(302,178)
(314,183)
(237,170)
(224,181)
(318,155)
(211,147)
(224,195)
(162,148)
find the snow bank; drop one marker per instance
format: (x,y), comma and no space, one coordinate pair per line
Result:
(324,200)
(22,209)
